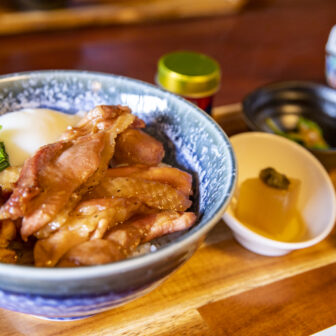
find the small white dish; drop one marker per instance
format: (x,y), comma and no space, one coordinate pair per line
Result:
(317,202)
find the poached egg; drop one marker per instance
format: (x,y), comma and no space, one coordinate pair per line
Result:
(25,131)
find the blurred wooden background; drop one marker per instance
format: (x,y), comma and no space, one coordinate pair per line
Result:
(79,13)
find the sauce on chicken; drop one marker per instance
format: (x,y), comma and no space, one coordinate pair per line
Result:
(93,196)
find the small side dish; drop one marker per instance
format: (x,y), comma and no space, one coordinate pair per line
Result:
(298,110)
(92,197)
(289,207)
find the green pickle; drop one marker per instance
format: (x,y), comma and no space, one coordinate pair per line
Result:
(268,206)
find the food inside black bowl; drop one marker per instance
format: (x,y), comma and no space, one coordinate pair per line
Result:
(304,112)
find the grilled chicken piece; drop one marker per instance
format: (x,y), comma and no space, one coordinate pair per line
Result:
(135,146)
(93,252)
(154,194)
(100,118)
(8,178)
(125,238)
(66,169)
(138,123)
(7,232)
(146,228)
(28,185)
(8,256)
(90,220)
(177,178)
(59,180)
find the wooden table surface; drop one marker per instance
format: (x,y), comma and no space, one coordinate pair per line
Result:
(223,289)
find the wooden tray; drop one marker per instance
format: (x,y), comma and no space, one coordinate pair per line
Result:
(81,13)
(221,274)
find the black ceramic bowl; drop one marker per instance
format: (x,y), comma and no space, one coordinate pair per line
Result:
(284,102)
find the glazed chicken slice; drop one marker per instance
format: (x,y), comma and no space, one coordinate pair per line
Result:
(154,194)
(102,117)
(8,256)
(90,220)
(125,238)
(93,252)
(151,226)
(59,179)
(66,169)
(176,178)
(135,146)
(27,186)
(7,232)
(8,178)
(121,123)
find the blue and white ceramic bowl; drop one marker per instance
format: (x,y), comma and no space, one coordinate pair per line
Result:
(192,141)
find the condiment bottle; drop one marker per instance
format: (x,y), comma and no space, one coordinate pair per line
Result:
(191,75)
(331,58)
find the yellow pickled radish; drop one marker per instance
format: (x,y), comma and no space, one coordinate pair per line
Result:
(270,211)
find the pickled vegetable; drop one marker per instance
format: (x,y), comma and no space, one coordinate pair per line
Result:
(307,133)
(274,179)
(270,211)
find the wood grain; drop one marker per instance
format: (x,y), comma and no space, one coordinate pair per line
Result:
(112,12)
(300,305)
(230,118)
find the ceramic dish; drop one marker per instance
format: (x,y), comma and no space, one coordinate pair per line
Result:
(192,140)
(284,102)
(317,204)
